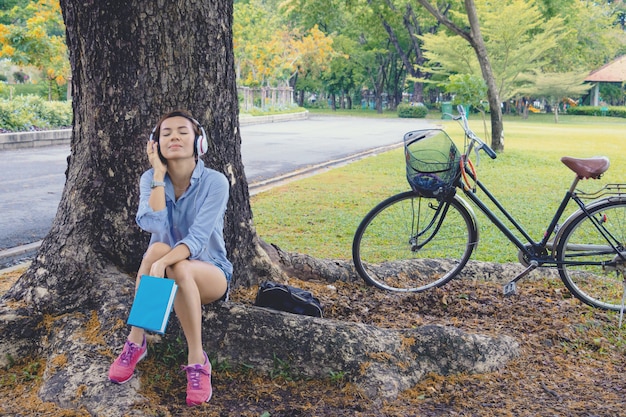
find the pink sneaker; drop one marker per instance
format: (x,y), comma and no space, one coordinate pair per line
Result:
(199,388)
(123,367)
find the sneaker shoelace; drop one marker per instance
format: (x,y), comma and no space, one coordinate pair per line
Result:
(127,354)
(193,374)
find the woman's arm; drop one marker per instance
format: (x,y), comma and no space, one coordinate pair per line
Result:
(178,253)
(157,194)
(149,219)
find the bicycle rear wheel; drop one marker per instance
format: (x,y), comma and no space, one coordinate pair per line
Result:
(410,243)
(591,252)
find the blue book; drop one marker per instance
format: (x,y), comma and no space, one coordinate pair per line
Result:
(153,303)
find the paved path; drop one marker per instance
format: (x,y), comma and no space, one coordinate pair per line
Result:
(32,180)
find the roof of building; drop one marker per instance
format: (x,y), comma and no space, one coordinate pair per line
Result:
(613,72)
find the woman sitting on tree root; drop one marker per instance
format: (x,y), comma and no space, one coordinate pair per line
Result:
(182,204)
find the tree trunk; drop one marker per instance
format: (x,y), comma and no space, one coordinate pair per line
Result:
(475,39)
(556,112)
(497,130)
(131,62)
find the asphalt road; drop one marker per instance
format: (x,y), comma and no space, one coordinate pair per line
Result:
(32,180)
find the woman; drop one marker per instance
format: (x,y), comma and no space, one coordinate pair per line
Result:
(182,204)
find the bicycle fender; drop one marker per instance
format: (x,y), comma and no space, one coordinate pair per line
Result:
(579,213)
(469,209)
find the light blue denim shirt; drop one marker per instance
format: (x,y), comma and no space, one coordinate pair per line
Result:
(196,219)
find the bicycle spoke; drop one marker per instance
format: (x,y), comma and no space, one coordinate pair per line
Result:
(410,243)
(591,253)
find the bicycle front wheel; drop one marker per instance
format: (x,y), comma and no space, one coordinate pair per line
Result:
(591,254)
(410,243)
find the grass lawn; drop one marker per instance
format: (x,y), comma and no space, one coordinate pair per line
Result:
(318,215)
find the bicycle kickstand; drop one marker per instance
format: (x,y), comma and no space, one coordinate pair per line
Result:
(511,287)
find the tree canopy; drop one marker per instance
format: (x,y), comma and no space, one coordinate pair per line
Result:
(33,33)
(379,48)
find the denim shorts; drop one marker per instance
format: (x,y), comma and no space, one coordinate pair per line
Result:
(228,276)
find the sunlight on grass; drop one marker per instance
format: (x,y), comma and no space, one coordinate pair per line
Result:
(319,215)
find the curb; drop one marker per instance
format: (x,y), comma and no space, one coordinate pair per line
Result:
(23,140)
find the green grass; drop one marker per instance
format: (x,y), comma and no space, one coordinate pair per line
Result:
(355,112)
(318,215)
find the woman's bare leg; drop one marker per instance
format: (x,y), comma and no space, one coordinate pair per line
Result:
(198,283)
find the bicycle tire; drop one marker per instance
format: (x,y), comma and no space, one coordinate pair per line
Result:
(597,279)
(386,247)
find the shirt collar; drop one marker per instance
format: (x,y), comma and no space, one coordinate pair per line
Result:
(197,171)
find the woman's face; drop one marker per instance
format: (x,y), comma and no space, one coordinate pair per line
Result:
(176,138)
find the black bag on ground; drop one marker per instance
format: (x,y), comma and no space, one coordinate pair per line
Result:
(286,298)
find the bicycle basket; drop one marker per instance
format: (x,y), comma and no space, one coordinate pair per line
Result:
(432,162)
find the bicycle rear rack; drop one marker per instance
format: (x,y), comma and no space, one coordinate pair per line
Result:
(608,189)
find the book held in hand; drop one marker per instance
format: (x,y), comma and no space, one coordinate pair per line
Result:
(153,303)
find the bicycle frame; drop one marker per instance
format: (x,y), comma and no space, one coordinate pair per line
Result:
(539,251)
(536,253)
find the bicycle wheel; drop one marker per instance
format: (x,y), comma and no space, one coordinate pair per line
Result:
(591,253)
(410,243)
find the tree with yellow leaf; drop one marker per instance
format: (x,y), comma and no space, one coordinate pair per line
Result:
(36,36)
(268,52)
(313,55)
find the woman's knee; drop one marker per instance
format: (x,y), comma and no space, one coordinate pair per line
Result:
(157,250)
(154,252)
(181,272)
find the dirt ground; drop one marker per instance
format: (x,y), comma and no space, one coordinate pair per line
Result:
(573,361)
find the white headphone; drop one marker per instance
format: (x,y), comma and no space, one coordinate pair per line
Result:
(202,143)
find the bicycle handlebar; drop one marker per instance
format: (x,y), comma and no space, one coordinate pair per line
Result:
(470,134)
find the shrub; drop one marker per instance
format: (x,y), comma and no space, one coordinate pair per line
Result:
(25,113)
(412,111)
(612,111)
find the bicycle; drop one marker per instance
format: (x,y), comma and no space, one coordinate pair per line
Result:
(423,238)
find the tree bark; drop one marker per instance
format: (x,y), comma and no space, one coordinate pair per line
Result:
(381,362)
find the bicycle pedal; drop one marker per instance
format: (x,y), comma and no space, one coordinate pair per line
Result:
(510,289)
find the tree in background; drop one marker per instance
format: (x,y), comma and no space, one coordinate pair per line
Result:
(469,90)
(342,77)
(313,54)
(475,38)
(556,86)
(405,25)
(270,53)
(518,39)
(264,46)
(36,36)
(593,37)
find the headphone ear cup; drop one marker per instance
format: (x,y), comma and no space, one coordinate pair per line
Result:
(153,132)
(202,144)
(154,136)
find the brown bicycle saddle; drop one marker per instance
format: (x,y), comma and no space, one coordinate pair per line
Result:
(587,167)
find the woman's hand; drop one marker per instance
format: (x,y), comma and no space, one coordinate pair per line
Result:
(152,149)
(158,269)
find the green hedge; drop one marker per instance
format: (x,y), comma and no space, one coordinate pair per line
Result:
(25,113)
(415,112)
(612,111)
